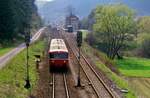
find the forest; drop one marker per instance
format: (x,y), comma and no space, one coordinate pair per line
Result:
(17,17)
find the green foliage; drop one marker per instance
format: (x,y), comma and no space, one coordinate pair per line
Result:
(136,67)
(9,46)
(146,47)
(12,77)
(143,24)
(90,39)
(143,29)
(84,33)
(6,20)
(84,23)
(87,23)
(16,17)
(143,36)
(114,25)
(5,50)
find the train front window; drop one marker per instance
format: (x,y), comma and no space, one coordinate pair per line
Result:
(59,55)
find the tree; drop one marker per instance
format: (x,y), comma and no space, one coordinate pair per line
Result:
(143,37)
(143,24)
(87,23)
(6,20)
(143,28)
(146,47)
(16,17)
(114,25)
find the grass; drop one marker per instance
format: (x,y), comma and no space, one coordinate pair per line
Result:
(84,33)
(8,46)
(141,86)
(140,68)
(120,82)
(135,67)
(5,50)
(12,76)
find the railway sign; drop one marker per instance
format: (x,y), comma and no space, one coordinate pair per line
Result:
(27,39)
(79,38)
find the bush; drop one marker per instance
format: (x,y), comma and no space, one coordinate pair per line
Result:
(146,48)
(90,39)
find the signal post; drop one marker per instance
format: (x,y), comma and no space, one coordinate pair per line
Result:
(27,41)
(79,44)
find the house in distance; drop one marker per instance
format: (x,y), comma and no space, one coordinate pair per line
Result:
(72,20)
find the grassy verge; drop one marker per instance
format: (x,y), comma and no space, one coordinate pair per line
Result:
(141,86)
(12,77)
(9,46)
(138,72)
(135,67)
(84,33)
(121,83)
(5,50)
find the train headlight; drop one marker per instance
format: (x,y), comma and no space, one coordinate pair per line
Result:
(64,61)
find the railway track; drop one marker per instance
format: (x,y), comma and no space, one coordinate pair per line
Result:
(60,88)
(98,85)
(59,80)
(54,85)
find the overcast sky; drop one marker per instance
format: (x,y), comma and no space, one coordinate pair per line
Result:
(44,0)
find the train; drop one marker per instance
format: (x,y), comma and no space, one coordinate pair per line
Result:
(58,55)
(70,29)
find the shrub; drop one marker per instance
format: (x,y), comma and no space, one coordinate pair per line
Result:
(90,39)
(145,47)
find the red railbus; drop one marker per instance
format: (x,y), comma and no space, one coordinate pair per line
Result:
(58,55)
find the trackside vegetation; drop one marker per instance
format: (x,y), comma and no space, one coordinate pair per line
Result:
(17,17)
(12,76)
(9,46)
(134,67)
(114,25)
(118,35)
(120,82)
(5,50)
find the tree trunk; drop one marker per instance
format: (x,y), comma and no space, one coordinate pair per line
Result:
(119,56)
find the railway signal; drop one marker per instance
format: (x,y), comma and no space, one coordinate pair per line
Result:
(79,38)
(27,41)
(79,43)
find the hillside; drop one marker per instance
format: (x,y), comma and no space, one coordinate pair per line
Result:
(57,9)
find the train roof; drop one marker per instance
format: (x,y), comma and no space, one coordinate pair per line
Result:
(57,45)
